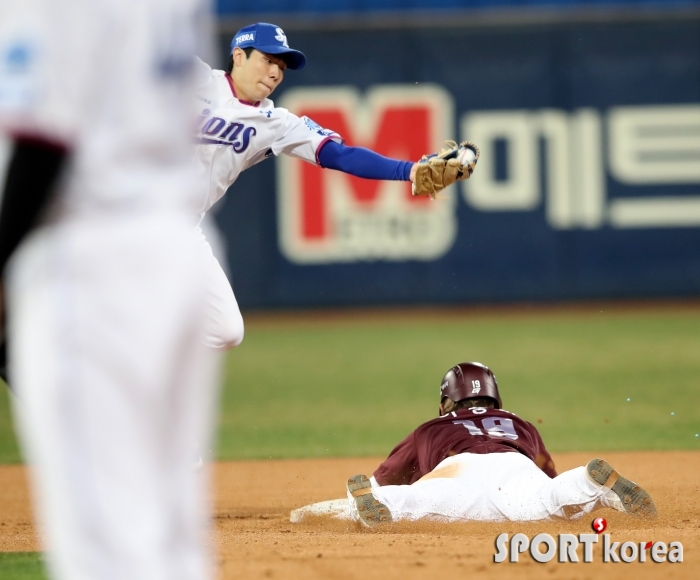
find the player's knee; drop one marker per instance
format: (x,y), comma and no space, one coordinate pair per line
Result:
(235,337)
(229,333)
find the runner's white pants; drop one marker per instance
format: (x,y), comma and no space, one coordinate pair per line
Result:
(224,319)
(114,388)
(492,487)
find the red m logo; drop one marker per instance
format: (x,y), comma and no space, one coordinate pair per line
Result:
(327,216)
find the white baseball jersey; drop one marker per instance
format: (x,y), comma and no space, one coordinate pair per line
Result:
(66,76)
(108,292)
(234,135)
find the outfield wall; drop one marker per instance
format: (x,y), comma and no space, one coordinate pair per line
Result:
(588,185)
(305,7)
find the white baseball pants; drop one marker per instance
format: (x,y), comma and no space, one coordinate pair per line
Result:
(224,320)
(114,388)
(492,487)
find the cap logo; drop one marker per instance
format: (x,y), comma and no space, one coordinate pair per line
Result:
(443,386)
(476,387)
(281,36)
(250,36)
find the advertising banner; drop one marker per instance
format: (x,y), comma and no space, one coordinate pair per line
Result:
(588,185)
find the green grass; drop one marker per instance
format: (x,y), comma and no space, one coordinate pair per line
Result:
(9,453)
(358,387)
(22,566)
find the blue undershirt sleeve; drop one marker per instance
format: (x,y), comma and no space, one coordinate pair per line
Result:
(362,162)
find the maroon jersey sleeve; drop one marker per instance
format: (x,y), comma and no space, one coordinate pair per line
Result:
(542,459)
(401,466)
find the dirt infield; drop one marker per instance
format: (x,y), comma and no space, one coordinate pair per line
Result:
(255,539)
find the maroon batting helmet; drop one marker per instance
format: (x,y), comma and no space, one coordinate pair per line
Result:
(470,381)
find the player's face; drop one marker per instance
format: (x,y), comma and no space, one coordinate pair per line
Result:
(257,76)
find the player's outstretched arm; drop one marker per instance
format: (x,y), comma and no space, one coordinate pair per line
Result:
(429,176)
(362,162)
(401,467)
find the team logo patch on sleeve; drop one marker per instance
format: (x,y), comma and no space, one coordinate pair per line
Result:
(313,126)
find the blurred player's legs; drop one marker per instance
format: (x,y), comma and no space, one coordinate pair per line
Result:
(115,382)
(224,319)
(492,487)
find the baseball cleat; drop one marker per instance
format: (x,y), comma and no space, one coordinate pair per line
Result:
(370,511)
(621,493)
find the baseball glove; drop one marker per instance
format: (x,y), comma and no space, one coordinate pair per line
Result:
(435,172)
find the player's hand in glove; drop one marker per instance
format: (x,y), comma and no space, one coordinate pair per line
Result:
(435,172)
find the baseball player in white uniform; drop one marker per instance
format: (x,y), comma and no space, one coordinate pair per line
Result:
(105,300)
(239,126)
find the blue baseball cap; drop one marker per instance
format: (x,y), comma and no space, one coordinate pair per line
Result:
(271,39)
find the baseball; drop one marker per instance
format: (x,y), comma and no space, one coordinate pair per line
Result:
(466,156)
